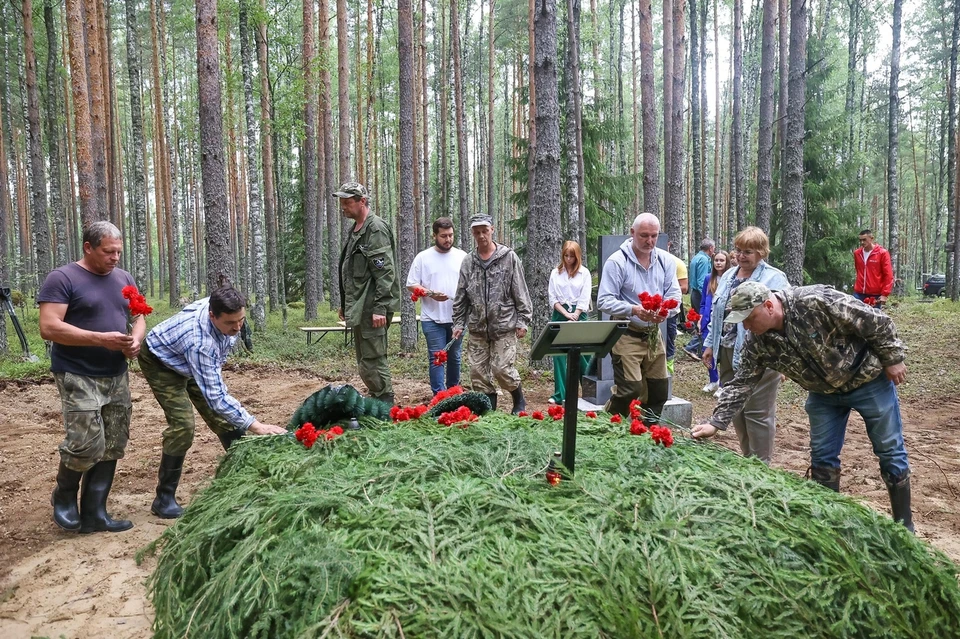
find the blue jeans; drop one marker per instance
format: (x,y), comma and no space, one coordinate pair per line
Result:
(438,336)
(877,403)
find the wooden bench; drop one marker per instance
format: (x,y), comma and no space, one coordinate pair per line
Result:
(341,327)
(322,331)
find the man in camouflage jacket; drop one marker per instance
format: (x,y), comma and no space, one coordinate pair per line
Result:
(846,354)
(369,288)
(492,301)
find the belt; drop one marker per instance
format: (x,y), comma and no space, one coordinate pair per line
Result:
(642,332)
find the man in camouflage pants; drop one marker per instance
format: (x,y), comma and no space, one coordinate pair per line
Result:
(369,288)
(846,354)
(183,364)
(493,302)
(83,312)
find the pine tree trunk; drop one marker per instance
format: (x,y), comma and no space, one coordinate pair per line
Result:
(5,211)
(136,120)
(444,92)
(220,264)
(463,194)
(86,177)
(543,224)
(343,88)
(309,169)
(783,97)
(326,116)
(97,98)
(491,76)
(169,159)
(674,213)
(893,150)
(667,104)
(793,204)
(697,160)
(765,134)
(253,173)
(736,140)
(54,139)
(266,146)
(407,226)
(648,100)
(574,128)
(425,128)
(38,196)
(952,282)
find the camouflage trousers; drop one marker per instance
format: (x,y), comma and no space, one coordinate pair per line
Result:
(493,359)
(639,372)
(372,362)
(96,417)
(178,396)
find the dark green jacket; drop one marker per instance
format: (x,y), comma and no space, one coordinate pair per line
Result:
(369,284)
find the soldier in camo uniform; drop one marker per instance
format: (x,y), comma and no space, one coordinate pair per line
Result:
(183,364)
(492,301)
(846,354)
(84,314)
(369,288)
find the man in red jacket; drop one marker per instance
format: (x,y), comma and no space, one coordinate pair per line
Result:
(874,270)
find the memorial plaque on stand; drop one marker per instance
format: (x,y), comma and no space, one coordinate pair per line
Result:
(574,339)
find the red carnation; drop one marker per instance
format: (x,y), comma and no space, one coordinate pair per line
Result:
(440,358)
(537,414)
(637,427)
(662,435)
(591,414)
(616,419)
(693,316)
(671,303)
(870,301)
(688,325)
(522,413)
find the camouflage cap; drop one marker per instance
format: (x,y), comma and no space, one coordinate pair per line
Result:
(351,189)
(481,220)
(745,298)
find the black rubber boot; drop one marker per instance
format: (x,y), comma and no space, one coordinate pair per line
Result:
(618,406)
(519,402)
(64,498)
(493,399)
(658,392)
(226,439)
(899,491)
(388,399)
(165,506)
(826,477)
(93,500)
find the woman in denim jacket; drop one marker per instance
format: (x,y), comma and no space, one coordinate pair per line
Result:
(756,424)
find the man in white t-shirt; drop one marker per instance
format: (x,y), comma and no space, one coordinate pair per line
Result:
(437,271)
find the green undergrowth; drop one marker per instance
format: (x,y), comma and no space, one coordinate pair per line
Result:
(420,530)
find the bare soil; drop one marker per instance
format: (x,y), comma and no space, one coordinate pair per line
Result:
(54,583)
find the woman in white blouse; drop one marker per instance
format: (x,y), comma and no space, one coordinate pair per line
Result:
(569,294)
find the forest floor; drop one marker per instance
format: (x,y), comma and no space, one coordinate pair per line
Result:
(59,584)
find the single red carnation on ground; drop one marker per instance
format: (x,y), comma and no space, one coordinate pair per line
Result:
(537,414)
(523,413)
(616,419)
(637,427)
(591,414)
(662,435)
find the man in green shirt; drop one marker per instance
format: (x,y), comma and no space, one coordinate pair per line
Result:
(369,287)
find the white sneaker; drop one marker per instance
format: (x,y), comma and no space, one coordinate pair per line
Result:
(711,387)
(717,394)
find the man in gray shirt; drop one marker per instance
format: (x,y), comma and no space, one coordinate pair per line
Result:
(639,355)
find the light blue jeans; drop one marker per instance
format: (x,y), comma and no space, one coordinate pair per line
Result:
(438,336)
(879,406)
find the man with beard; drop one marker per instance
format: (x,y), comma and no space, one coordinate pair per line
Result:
(436,270)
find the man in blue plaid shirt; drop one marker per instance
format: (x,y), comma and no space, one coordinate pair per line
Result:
(183,362)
